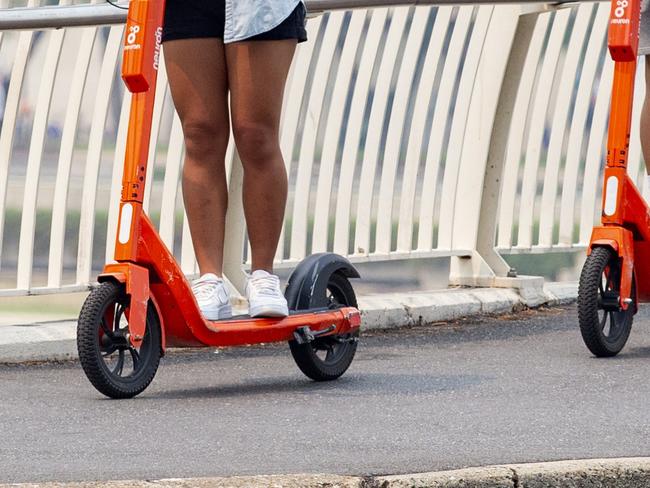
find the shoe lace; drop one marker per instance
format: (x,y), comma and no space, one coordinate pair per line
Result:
(204,289)
(266,285)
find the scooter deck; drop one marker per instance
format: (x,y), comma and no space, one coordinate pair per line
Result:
(245,316)
(243,330)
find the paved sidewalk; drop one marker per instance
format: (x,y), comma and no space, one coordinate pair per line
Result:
(516,388)
(35,340)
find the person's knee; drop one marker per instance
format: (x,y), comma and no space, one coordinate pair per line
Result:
(257,143)
(205,139)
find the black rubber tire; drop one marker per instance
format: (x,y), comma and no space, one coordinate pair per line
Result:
(89,331)
(306,355)
(592,326)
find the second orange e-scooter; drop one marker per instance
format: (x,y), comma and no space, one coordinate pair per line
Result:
(616,275)
(144,303)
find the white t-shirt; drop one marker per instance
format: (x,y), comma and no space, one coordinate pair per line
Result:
(248,18)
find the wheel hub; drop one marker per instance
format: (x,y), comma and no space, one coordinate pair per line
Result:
(610,301)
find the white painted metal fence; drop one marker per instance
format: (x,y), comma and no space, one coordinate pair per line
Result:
(408,132)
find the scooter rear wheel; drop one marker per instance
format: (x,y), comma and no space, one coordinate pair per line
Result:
(327,358)
(605,327)
(111,363)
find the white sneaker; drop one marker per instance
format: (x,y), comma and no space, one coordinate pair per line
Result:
(212,296)
(264,296)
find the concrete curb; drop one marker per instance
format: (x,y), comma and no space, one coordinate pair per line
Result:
(389,311)
(278,481)
(615,473)
(57,340)
(619,473)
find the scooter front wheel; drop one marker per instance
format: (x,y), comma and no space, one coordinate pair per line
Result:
(111,363)
(327,358)
(604,325)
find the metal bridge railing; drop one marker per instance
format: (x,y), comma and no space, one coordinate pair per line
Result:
(411,131)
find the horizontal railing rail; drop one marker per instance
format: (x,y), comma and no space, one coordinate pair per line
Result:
(57,17)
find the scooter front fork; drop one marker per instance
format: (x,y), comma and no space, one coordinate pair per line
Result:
(136,280)
(621,241)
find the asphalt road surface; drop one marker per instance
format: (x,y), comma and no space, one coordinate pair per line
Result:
(508,389)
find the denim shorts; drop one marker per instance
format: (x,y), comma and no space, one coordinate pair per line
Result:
(190,19)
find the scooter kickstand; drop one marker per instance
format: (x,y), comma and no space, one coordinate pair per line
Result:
(304,335)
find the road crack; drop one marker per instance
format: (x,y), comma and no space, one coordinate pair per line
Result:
(515,478)
(372,482)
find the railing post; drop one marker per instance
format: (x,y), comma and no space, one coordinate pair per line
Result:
(499,142)
(488,128)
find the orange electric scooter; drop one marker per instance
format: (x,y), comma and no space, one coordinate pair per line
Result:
(616,275)
(144,304)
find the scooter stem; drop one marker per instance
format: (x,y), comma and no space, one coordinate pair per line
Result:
(620,121)
(142,51)
(623,43)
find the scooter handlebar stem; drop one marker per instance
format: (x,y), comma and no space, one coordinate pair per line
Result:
(623,43)
(624,22)
(142,59)
(142,44)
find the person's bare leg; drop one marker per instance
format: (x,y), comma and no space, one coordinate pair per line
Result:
(257,73)
(199,87)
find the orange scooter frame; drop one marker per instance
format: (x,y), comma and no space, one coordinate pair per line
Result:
(146,288)
(616,275)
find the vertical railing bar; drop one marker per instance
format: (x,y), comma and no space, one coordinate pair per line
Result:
(595,152)
(636,155)
(537,126)
(634,152)
(188,258)
(117,173)
(89,191)
(328,161)
(438,126)
(62,182)
(449,197)
(568,73)
(235,238)
(343,212)
(7,132)
(302,188)
(159,104)
(170,183)
(578,124)
(423,100)
(403,92)
(291,112)
(517,132)
(33,171)
(378,115)
(229,158)
(235,219)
